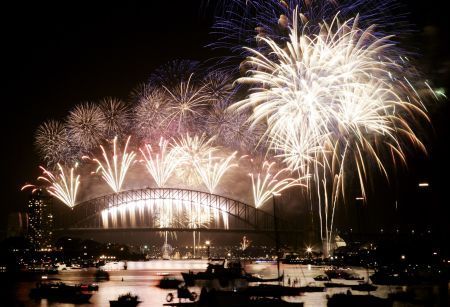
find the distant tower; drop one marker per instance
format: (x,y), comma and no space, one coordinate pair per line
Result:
(40,219)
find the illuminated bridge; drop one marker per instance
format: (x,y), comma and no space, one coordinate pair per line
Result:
(167,209)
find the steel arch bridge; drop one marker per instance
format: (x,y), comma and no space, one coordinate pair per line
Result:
(170,209)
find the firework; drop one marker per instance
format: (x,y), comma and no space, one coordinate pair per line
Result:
(187,101)
(63,186)
(242,23)
(51,141)
(160,165)
(333,92)
(213,170)
(218,86)
(114,169)
(116,115)
(265,185)
(232,129)
(86,126)
(174,72)
(332,102)
(192,151)
(150,112)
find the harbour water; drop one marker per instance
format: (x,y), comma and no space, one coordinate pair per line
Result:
(141,278)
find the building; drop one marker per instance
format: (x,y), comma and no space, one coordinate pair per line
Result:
(40,219)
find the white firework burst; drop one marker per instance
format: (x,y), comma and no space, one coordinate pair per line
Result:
(117,117)
(51,141)
(86,126)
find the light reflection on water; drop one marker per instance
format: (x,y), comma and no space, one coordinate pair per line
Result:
(142,277)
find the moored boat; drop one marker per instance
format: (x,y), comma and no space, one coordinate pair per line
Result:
(61,292)
(125,300)
(101,275)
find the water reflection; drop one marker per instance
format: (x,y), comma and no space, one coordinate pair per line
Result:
(141,279)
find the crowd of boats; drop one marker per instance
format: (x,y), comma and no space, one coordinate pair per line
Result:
(226,283)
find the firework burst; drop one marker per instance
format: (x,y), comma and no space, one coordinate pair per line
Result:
(86,126)
(213,170)
(171,74)
(232,129)
(192,151)
(162,164)
(150,113)
(218,86)
(265,185)
(114,169)
(116,115)
(187,102)
(51,141)
(332,102)
(63,185)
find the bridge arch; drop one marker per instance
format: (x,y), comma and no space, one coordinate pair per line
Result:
(169,208)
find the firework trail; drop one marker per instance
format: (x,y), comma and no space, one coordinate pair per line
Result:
(160,165)
(51,141)
(187,101)
(192,151)
(333,101)
(63,186)
(116,115)
(265,185)
(86,126)
(114,169)
(213,170)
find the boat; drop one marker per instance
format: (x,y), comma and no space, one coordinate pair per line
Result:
(88,287)
(364,287)
(353,277)
(125,300)
(321,278)
(169,282)
(337,274)
(101,275)
(311,287)
(349,300)
(233,273)
(60,292)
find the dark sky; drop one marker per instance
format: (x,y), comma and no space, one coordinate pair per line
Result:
(57,55)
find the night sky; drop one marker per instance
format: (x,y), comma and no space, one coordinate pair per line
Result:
(57,55)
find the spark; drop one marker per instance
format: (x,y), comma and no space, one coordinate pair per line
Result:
(112,169)
(265,185)
(160,165)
